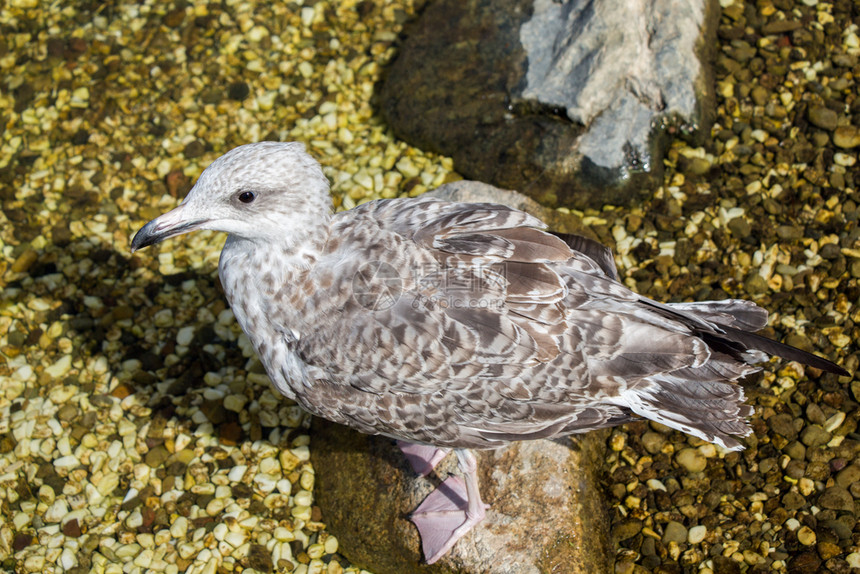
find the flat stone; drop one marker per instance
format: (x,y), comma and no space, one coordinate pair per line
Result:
(848,475)
(822,117)
(546,510)
(780,26)
(836,498)
(626,529)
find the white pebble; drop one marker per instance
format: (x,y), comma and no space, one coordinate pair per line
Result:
(134,520)
(179,528)
(844,159)
(60,368)
(303,498)
(66,463)
(407,167)
(185,336)
(235,539)
(237,472)
(331,545)
(302,453)
(56,511)
(235,403)
(163,318)
(63,393)
(270,465)
(696,534)
(284,486)
(20,520)
(67,560)
(283,534)
(266,483)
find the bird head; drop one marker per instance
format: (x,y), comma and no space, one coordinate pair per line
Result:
(266,191)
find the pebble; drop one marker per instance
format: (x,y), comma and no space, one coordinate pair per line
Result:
(691,459)
(674,532)
(846,137)
(697,534)
(823,117)
(806,536)
(837,498)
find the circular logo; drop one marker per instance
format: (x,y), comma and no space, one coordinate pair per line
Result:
(376,286)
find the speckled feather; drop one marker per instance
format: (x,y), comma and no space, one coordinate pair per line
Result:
(491,329)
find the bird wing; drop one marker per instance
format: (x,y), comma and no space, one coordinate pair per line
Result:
(491,329)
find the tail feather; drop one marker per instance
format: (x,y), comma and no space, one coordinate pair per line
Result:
(714,420)
(757,342)
(705,400)
(727,328)
(737,313)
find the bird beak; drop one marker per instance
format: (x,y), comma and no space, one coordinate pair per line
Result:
(175,222)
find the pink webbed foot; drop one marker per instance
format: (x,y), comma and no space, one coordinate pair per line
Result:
(422,458)
(450,511)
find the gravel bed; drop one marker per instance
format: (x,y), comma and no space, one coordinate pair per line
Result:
(767,211)
(137,430)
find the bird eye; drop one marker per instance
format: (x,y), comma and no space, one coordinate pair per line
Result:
(247,196)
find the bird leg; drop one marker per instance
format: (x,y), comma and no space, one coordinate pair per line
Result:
(422,458)
(450,511)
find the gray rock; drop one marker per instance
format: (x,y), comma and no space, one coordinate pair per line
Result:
(546,507)
(616,67)
(549,97)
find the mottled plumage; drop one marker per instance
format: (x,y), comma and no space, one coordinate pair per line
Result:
(458,325)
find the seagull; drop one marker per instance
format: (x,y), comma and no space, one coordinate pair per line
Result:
(459,326)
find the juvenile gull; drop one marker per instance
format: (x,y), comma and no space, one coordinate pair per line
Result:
(457,325)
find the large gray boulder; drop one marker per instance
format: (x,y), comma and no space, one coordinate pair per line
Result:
(571,102)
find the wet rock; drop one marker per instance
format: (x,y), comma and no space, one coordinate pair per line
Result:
(783,425)
(823,117)
(813,435)
(549,98)
(848,475)
(836,498)
(739,227)
(792,500)
(546,510)
(626,529)
(789,232)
